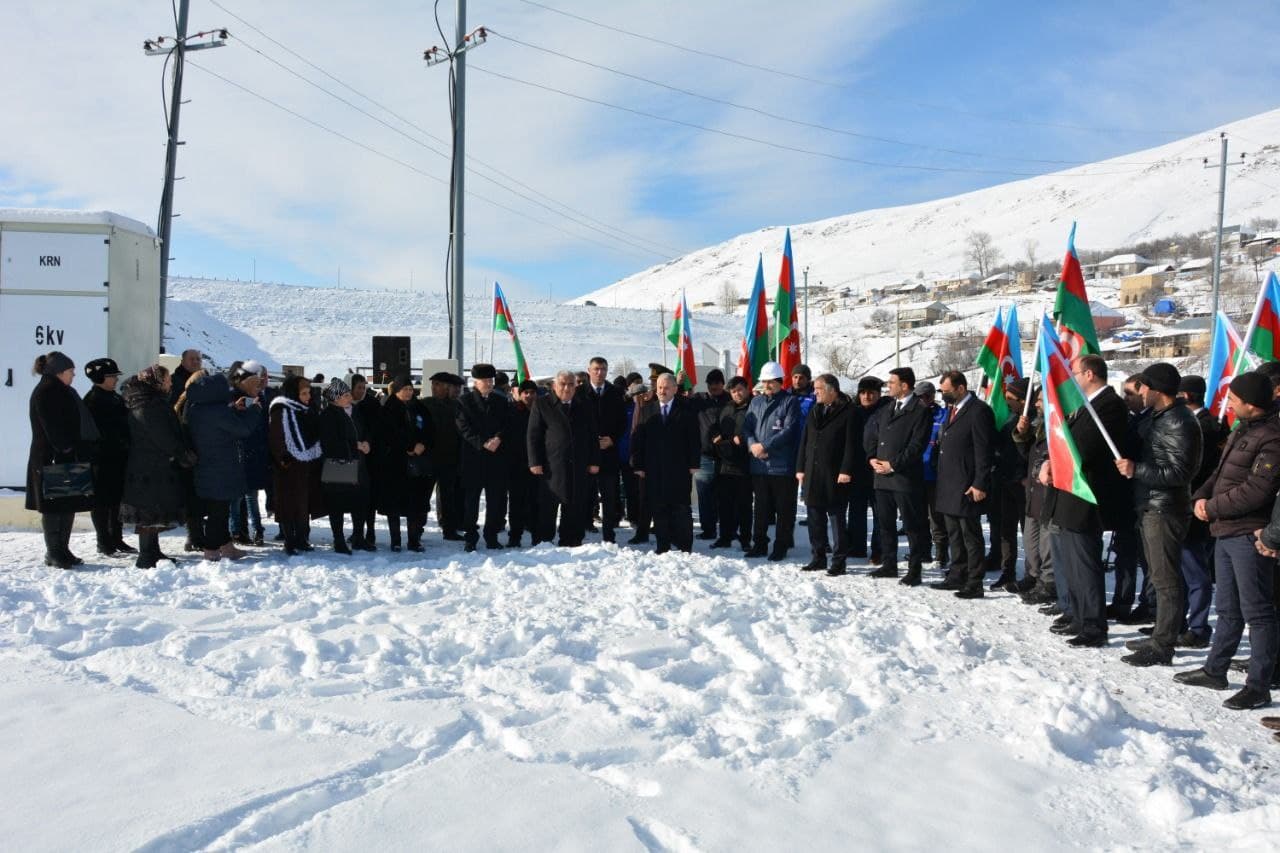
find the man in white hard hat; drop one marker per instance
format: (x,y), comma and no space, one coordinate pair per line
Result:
(771,431)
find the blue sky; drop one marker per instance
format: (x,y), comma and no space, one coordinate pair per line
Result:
(264,188)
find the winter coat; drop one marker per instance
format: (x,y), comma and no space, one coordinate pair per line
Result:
(965,458)
(339,434)
(1114,509)
(899,438)
(773,422)
(443,440)
(1241,491)
(830,445)
(112,454)
(480,419)
(403,426)
(1170,458)
(708,409)
(218,432)
(1033,446)
(667,451)
(732,459)
(62,430)
(938,417)
(610,411)
(295,461)
(564,444)
(1213,436)
(515,438)
(154,480)
(257,455)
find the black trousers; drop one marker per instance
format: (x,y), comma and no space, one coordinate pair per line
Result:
(572,514)
(493,482)
(673,526)
(606,486)
(631,493)
(1077,561)
(824,519)
(1162,534)
(775,494)
(1127,545)
(417,521)
(967,550)
(937,524)
(910,506)
(522,503)
(860,500)
(449,499)
(734,493)
(106,524)
(1012,498)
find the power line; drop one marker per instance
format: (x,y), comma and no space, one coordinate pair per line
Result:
(798,122)
(846,86)
(769,143)
(393,159)
(665,250)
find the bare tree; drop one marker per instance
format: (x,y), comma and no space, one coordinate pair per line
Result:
(728,297)
(980,252)
(1029,247)
(844,359)
(624,366)
(882,319)
(959,351)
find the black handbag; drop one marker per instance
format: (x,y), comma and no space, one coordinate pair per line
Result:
(340,472)
(66,480)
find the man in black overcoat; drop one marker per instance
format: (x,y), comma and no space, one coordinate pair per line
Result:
(894,441)
(829,459)
(482,421)
(965,460)
(665,452)
(609,407)
(112,419)
(564,451)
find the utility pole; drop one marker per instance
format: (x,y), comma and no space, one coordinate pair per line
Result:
(159,47)
(806,307)
(1222,199)
(456,58)
(897,333)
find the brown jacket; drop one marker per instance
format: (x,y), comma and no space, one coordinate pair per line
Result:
(1242,488)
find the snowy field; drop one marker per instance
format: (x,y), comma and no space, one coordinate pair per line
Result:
(598,698)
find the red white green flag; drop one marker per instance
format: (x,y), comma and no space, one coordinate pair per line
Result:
(502,322)
(1071,308)
(786,326)
(1063,396)
(992,358)
(755,337)
(1264,341)
(681,336)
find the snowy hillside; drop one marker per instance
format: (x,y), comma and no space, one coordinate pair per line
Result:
(328,330)
(1144,195)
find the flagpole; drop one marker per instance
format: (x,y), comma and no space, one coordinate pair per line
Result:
(492,324)
(1035,363)
(662,330)
(1253,326)
(1097,420)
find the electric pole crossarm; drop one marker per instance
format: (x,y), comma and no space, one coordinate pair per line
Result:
(1221,166)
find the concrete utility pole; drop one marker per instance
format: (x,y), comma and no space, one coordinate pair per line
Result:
(1222,199)
(456,57)
(806,307)
(158,47)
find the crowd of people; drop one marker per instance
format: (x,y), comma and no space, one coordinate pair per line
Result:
(1185,510)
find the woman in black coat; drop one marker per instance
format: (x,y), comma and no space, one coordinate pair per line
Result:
(218,426)
(155,481)
(295,449)
(112,419)
(344,447)
(62,431)
(404,484)
(368,411)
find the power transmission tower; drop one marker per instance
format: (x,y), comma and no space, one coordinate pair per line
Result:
(160,46)
(1221,166)
(458,65)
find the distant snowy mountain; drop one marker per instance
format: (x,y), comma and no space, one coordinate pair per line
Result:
(329,330)
(1117,202)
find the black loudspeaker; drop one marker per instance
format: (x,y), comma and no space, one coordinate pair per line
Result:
(391,358)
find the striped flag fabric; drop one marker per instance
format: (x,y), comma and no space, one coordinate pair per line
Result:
(786,325)
(1225,349)
(1264,342)
(1063,396)
(755,336)
(503,322)
(681,336)
(992,357)
(1071,306)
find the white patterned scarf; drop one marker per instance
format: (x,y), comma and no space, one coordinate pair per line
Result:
(293,439)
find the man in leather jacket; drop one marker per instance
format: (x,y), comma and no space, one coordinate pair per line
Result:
(1162,475)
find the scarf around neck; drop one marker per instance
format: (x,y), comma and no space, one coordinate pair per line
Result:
(293,438)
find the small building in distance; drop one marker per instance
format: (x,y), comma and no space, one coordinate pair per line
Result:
(1106,320)
(922,314)
(1195,268)
(965,284)
(1143,286)
(1118,266)
(1188,337)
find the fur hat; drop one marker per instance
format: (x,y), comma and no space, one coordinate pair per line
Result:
(483,371)
(99,369)
(870,383)
(335,389)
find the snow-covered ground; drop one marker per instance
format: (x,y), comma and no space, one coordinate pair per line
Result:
(599,698)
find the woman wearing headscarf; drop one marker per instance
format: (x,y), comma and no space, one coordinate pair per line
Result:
(219,425)
(403,481)
(159,459)
(295,449)
(343,443)
(368,411)
(112,419)
(62,431)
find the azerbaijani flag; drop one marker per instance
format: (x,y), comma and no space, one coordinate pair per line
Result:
(502,322)
(1062,398)
(995,350)
(755,337)
(1011,364)
(784,315)
(681,337)
(1224,349)
(1071,307)
(1265,340)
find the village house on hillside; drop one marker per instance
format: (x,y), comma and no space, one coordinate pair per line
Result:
(922,314)
(966,284)
(1143,286)
(1189,337)
(1195,268)
(1118,266)
(1106,320)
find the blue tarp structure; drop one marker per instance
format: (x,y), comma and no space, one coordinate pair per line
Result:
(1163,307)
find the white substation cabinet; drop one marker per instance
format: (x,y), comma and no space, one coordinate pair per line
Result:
(84,283)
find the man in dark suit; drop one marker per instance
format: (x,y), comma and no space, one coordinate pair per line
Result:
(609,407)
(965,448)
(483,419)
(665,454)
(1075,525)
(830,456)
(564,451)
(895,442)
(522,488)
